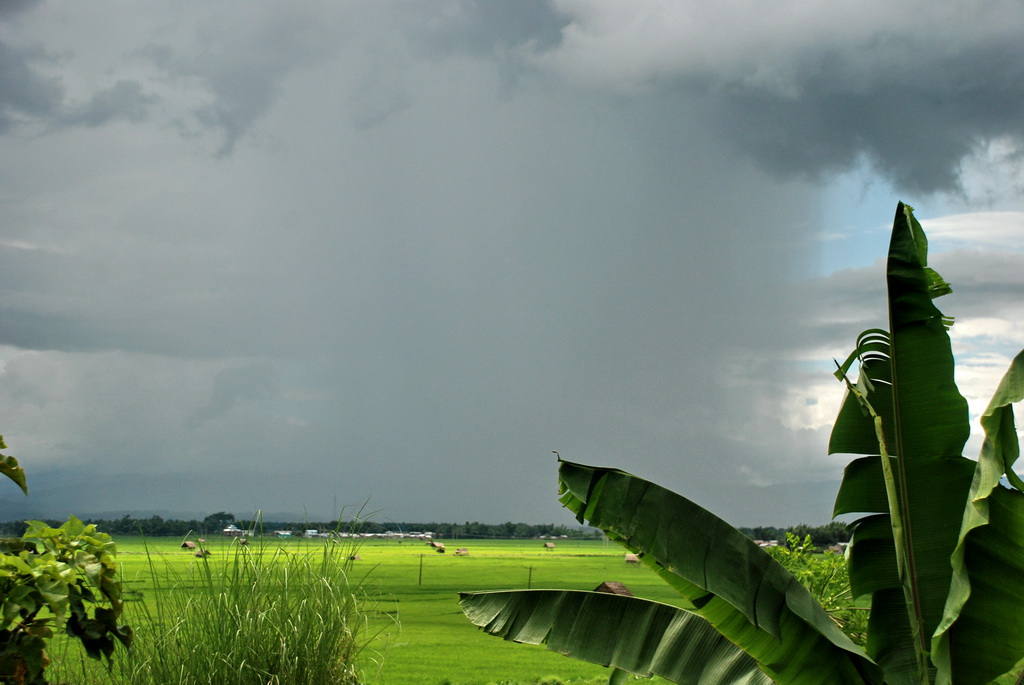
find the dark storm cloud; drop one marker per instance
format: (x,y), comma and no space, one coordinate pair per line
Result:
(243,68)
(242,64)
(125,100)
(913,121)
(485,26)
(25,93)
(811,89)
(241,91)
(28,95)
(9,8)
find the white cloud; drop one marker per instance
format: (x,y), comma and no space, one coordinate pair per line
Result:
(993,175)
(969,333)
(978,231)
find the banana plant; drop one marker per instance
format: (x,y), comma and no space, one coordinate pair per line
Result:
(938,549)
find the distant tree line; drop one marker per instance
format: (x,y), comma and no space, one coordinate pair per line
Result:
(507,530)
(157,526)
(821,536)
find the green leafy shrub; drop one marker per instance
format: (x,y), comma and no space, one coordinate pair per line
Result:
(827,578)
(55,577)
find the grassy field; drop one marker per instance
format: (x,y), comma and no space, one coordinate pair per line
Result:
(412,598)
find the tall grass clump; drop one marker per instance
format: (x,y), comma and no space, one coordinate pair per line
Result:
(265,616)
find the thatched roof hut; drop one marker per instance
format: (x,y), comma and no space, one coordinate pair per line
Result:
(188,544)
(462,552)
(613,588)
(632,558)
(549,545)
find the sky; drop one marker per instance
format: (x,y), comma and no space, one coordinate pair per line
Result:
(312,258)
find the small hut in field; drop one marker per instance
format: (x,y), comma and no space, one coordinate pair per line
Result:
(632,558)
(203,553)
(438,547)
(549,545)
(462,552)
(188,544)
(613,588)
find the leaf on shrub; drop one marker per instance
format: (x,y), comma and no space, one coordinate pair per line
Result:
(10,468)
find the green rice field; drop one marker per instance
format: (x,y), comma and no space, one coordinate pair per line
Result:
(419,635)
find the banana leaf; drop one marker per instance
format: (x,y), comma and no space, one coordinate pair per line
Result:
(720,574)
(625,633)
(982,631)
